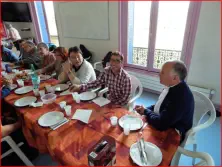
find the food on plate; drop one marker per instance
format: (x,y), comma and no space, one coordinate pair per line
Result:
(24,76)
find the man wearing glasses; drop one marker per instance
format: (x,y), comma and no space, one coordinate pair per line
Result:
(115,78)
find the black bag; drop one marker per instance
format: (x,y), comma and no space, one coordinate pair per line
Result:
(106,59)
(85,52)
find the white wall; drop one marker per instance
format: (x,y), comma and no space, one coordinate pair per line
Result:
(98,47)
(205,63)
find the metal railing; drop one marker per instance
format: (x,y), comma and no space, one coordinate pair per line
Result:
(160,56)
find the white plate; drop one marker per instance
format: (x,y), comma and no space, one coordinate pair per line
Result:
(134,122)
(24,90)
(61,87)
(25,101)
(44,77)
(154,154)
(12,86)
(86,96)
(50,118)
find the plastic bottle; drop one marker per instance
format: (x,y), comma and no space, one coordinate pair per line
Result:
(35,78)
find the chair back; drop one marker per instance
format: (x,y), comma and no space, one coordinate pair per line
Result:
(203,105)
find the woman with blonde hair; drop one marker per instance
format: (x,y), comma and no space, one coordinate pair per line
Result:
(61,54)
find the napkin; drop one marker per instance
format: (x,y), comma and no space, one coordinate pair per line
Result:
(101,101)
(67,92)
(38,104)
(82,115)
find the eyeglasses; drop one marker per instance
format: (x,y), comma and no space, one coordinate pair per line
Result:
(115,60)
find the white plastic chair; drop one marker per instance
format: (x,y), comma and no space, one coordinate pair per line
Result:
(203,105)
(15,148)
(98,66)
(136,84)
(206,159)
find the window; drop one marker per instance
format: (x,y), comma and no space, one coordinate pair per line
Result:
(50,15)
(153,32)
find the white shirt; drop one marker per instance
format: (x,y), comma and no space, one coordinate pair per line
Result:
(160,100)
(84,75)
(13,33)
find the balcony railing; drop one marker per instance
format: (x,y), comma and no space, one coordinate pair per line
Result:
(160,56)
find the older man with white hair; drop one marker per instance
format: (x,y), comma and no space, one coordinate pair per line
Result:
(175,106)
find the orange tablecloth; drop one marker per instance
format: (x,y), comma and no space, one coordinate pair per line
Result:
(69,144)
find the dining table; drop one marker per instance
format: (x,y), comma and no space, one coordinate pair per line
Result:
(69,144)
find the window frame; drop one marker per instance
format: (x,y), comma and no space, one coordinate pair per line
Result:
(188,41)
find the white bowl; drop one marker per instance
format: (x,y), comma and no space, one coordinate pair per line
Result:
(48,98)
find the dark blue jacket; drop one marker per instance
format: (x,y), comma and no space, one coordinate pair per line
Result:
(176,111)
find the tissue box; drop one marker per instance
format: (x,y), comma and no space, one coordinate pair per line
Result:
(103,153)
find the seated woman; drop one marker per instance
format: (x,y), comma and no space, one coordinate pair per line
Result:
(76,69)
(61,55)
(47,58)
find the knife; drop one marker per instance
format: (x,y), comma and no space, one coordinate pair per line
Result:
(143,151)
(61,124)
(140,151)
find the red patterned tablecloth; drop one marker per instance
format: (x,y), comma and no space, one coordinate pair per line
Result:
(69,144)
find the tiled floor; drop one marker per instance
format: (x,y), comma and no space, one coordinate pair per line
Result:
(208,139)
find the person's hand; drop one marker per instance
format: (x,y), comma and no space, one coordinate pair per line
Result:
(38,72)
(72,76)
(67,67)
(75,88)
(139,109)
(11,64)
(7,82)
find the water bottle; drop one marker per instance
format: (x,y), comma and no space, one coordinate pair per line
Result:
(35,78)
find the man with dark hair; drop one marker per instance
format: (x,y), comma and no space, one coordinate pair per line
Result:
(175,106)
(115,78)
(76,69)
